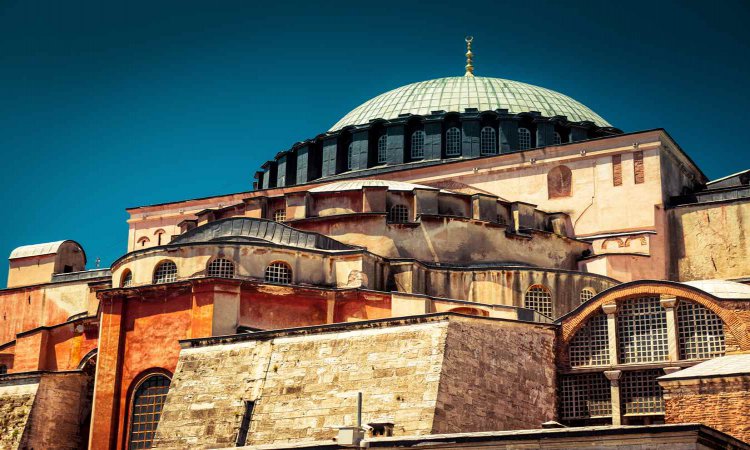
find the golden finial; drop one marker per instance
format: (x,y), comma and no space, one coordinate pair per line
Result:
(469,57)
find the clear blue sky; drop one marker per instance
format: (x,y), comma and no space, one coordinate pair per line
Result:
(111,104)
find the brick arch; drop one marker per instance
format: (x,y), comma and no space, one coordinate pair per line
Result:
(636,238)
(572,322)
(619,242)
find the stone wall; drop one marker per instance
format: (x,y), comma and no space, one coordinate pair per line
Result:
(496,376)
(721,402)
(422,374)
(16,398)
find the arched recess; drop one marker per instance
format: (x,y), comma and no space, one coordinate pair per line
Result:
(469,311)
(137,382)
(573,321)
(559,182)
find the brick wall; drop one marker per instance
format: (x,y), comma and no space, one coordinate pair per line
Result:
(721,403)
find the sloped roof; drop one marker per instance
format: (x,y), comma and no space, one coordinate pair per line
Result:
(46,248)
(723,366)
(722,288)
(355,185)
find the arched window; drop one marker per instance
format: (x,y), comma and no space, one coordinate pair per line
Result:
(127,279)
(382,149)
(453,142)
(590,345)
(700,330)
(279,215)
(488,141)
(398,214)
(587,294)
(417,144)
(642,330)
(221,268)
(159,233)
(3,369)
(350,156)
(539,299)
(524,139)
(559,181)
(166,272)
(557,139)
(143,241)
(279,272)
(148,402)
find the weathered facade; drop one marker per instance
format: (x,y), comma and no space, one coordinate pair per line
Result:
(470,264)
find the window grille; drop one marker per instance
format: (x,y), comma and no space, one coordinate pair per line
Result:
(148,402)
(700,330)
(585,396)
(557,139)
(524,139)
(417,144)
(382,149)
(453,142)
(642,330)
(221,268)
(165,272)
(539,299)
(590,345)
(127,279)
(279,272)
(488,141)
(641,393)
(350,156)
(398,214)
(279,215)
(587,294)
(245,424)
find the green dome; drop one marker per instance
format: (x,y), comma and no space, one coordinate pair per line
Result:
(454,94)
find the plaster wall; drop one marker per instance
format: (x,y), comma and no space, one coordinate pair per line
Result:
(30,271)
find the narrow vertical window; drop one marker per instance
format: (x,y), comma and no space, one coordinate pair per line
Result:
(557,139)
(638,170)
(617,170)
(417,144)
(245,424)
(524,139)
(488,141)
(382,149)
(350,157)
(453,142)
(127,279)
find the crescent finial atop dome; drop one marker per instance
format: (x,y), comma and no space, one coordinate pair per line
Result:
(469,57)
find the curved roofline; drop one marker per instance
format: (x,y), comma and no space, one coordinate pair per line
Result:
(42,249)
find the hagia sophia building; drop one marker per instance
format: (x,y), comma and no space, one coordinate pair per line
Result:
(464,262)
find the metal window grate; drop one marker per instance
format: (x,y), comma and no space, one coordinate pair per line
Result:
(488,141)
(278,272)
(587,294)
(221,268)
(453,142)
(539,299)
(590,345)
(279,215)
(584,396)
(245,424)
(382,149)
(127,279)
(165,272)
(557,140)
(350,157)
(642,330)
(641,393)
(417,144)
(524,139)
(700,330)
(148,402)
(398,214)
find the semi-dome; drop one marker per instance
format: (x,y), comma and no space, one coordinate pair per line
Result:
(454,94)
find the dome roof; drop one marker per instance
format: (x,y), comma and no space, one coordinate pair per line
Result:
(454,94)
(355,185)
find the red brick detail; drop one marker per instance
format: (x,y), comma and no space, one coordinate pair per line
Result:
(617,170)
(559,182)
(638,170)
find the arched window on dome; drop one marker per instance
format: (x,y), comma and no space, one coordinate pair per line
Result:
(539,299)
(453,142)
(127,279)
(145,410)
(587,294)
(220,268)
(417,144)
(383,149)
(278,272)
(488,141)
(557,139)
(398,214)
(166,272)
(350,156)
(524,139)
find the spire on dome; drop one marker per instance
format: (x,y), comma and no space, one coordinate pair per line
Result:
(469,57)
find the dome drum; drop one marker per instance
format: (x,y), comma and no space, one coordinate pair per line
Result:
(382,145)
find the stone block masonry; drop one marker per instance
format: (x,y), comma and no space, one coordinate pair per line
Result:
(412,372)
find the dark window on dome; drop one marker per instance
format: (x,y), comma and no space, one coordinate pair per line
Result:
(524,139)
(453,142)
(350,157)
(417,144)
(382,149)
(488,141)
(221,268)
(165,272)
(278,272)
(557,139)
(398,214)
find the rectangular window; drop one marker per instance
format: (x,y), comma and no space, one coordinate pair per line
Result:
(585,396)
(617,170)
(638,167)
(641,393)
(245,424)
